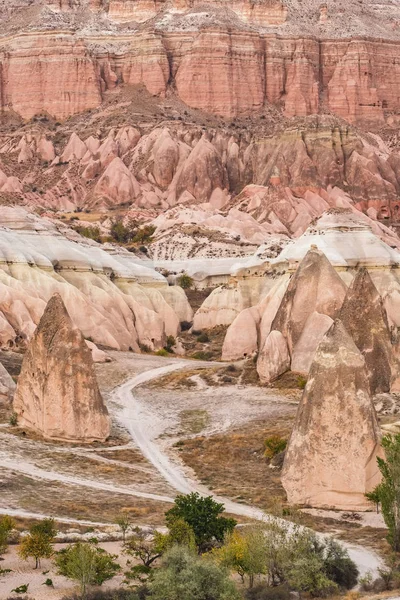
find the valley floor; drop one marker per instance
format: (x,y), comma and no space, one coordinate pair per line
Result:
(176,429)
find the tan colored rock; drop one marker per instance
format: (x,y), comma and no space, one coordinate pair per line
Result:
(315,287)
(314,330)
(274,358)
(7,386)
(241,339)
(57,393)
(330,461)
(365,319)
(98,356)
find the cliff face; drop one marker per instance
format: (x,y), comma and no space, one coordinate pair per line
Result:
(229,58)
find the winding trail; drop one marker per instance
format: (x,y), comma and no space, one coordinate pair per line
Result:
(144,429)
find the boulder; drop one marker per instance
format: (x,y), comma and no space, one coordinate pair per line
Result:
(57,393)
(365,319)
(331,461)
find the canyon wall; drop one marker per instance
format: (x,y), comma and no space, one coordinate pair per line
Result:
(219,70)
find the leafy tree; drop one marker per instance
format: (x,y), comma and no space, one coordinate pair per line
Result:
(124,524)
(187,576)
(120,233)
(203,514)
(86,563)
(7,524)
(148,547)
(185,281)
(46,527)
(180,534)
(38,542)
(245,553)
(37,546)
(387,493)
(338,565)
(144,234)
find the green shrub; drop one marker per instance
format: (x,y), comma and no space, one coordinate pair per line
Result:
(186,576)
(274,445)
(13,420)
(171,341)
(162,352)
(93,233)
(264,592)
(202,355)
(185,281)
(301,382)
(203,338)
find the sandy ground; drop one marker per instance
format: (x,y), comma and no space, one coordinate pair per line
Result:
(23,573)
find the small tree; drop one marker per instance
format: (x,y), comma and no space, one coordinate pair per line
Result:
(7,524)
(145,546)
(245,552)
(387,493)
(203,515)
(124,524)
(37,546)
(87,564)
(38,542)
(184,575)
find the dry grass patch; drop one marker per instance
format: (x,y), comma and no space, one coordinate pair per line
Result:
(129,455)
(233,463)
(193,421)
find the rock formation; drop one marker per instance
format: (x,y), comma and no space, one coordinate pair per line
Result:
(7,386)
(330,461)
(364,317)
(111,298)
(57,393)
(312,300)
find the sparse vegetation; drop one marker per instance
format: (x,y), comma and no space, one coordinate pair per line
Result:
(7,524)
(162,352)
(13,420)
(274,445)
(203,338)
(185,281)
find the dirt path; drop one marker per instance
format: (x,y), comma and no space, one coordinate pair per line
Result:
(144,426)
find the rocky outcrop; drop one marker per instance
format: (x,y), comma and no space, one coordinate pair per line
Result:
(57,393)
(312,300)
(7,386)
(114,300)
(363,315)
(330,461)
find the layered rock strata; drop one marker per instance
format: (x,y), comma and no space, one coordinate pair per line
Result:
(330,460)
(57,393)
